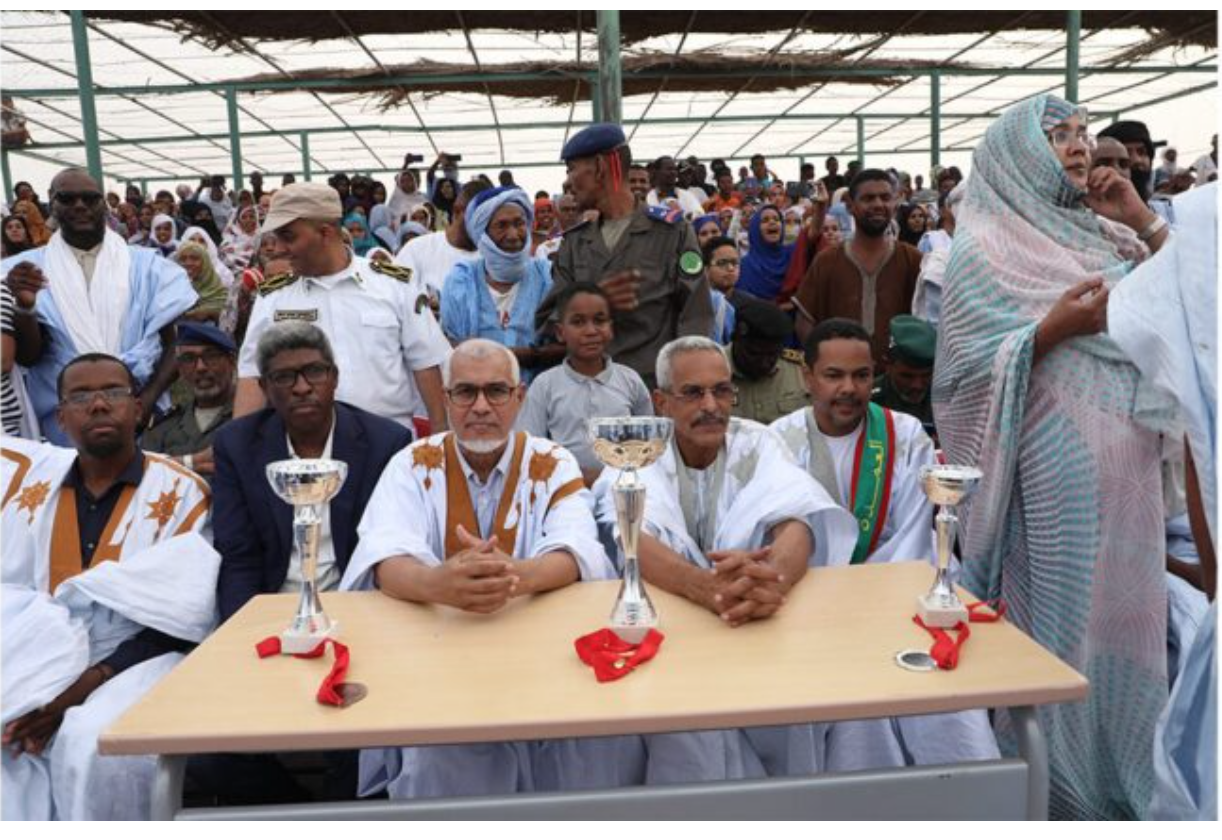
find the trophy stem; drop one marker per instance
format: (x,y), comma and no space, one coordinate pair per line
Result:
(941,607)
(633,615)
(311,624)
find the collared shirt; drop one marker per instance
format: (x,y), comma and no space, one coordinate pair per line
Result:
(92,513)
(773,396)
(87,260)
(327,573)
(486,495)
(92,516)
(180,433)
(381,330)
(561,401)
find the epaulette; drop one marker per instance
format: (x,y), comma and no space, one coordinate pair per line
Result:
(670,215)
(789,354)
(277,282)
(399,272)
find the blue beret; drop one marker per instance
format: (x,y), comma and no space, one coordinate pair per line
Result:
(193,332)
(593,140)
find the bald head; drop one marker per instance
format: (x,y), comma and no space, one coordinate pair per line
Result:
(1111,153)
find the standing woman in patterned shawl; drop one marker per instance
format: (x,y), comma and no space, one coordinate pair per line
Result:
(1067,524)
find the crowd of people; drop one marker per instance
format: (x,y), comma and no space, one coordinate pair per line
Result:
(816,343)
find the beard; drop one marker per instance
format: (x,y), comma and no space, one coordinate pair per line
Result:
(872,227)
(102,449)
(482,446)
(1141,182)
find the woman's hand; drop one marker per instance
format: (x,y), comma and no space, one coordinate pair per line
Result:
(1082,310)
(1114,197)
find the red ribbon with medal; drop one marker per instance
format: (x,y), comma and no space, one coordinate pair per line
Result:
(331,690)
(945,650)
(611,657)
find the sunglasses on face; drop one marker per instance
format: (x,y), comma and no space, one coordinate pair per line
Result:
(91,199)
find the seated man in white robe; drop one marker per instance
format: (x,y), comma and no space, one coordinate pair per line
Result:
(732,525)
(473,519)
(113,628)
(869,459)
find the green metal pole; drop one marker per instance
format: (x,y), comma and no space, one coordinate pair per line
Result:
(861,140)
(935,120)
(144,187)
(610,78)
(305,156)
(8,176)
(84,78)
(1073,39)
(235,137)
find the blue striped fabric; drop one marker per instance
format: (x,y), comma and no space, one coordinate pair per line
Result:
(1067,525)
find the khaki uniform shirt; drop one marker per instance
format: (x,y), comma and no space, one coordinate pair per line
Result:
(673,298)
(771,398)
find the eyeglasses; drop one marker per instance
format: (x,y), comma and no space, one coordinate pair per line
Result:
(723,393)
(498,393)
(315,373)
(91,199)
(1062,137)
(110,396)
(209,357)
(725,265)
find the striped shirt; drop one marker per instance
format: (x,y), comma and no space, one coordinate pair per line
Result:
(10,408)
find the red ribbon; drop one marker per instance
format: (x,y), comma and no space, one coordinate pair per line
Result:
(945,650)
(327,691)
(611,657)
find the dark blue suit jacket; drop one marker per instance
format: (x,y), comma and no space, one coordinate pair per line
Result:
(253,528)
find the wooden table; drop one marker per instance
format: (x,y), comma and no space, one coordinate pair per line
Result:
(439,676)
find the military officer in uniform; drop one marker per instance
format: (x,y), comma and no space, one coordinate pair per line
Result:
(384,336)
(649,266)
(767,375)
(905,384)
(207,365)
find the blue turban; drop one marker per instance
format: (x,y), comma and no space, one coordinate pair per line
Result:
(502,265)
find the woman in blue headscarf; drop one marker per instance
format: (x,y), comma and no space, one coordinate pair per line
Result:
(1067,524)
(707,228)
(763,269)
(496,295)
(362,240)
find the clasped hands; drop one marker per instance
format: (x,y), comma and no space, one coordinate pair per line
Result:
(744,585)
(479,578)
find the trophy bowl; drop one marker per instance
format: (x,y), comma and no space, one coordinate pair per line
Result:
(306,481)
(946,485)
(631,443)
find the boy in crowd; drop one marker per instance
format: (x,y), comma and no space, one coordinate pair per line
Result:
(587,384)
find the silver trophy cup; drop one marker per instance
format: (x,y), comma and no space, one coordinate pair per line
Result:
(307,484)
(946,486)
(629,444)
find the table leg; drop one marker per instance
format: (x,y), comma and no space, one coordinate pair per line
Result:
(167,786)
(1033,748)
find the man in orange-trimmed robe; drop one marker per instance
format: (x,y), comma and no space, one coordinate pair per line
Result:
(472,519)
(65,514)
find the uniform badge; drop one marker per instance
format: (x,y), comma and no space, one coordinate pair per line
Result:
(309,315)
(690,262)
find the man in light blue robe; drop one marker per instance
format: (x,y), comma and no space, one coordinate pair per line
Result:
(91,292)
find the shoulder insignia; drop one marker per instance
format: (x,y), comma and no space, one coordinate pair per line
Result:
(276,282)
(399,272)
(670,215)
(789,354)
(422,303)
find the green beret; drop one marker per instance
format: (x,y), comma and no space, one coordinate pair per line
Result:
(913,340)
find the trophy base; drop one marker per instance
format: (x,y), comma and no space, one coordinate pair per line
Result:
(296,642)
(936,613)
(632,634)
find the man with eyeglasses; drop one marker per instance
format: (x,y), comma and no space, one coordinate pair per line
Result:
(90,292)
(732,525)
(472,519)
(113,532)
(207,364)
(253,528)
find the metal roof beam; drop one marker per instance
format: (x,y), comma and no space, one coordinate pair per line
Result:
(427,81)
